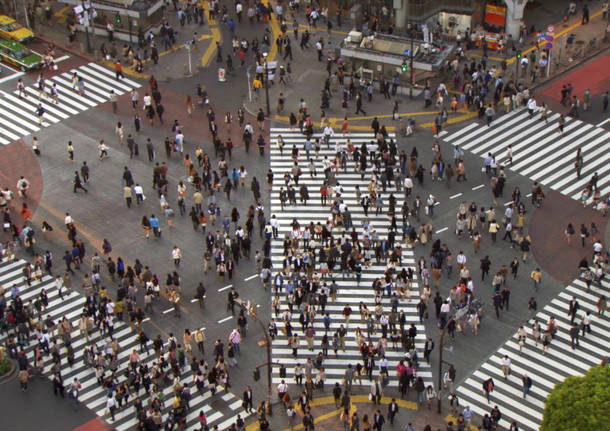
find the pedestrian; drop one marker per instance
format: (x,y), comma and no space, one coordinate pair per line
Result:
(77,183)
(536,276)
(488,387)
(111,406)
(118,68)
(70,151)
(573,308)
(376,392)
(378,421)
(574,335)
(505,365)
(127,195)
(527,384)
(569,232)
(247,399)
(112,97)
(23,379)
(430,396)
(40,111)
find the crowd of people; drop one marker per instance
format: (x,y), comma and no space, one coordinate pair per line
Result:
(314,255)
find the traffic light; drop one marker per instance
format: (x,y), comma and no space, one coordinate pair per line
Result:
(117,18)
(404,65)
(518,54)
(257,375)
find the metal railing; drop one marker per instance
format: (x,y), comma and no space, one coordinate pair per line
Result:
(419,10)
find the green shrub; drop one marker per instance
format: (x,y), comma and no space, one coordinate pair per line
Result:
(579,403)
(5,367)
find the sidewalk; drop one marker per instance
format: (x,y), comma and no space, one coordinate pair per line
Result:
(170,66)
(308,84)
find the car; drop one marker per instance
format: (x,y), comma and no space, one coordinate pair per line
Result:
(19,55)
(11,29)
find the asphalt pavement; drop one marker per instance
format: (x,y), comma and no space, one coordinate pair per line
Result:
(102,214)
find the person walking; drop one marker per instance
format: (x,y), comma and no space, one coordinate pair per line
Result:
(78,183)
(573,308)
(488,387)
(40,111)
(378,421)
(527,384)
(505,365)
(376,392)
(536,277)
(247,399)
(574,335)
(23,379)
(392,410)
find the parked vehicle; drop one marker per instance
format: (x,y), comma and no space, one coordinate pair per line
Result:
(11,29)
(14,53)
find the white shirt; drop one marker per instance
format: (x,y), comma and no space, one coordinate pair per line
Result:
(531,104)
(505,362)
(328,131)
(138,190)
(461,259)
(408,183)
(68,219)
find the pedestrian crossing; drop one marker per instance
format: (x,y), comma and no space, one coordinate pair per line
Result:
(91,394)
(19,116)
(545,370)
(349,291)
(540,152)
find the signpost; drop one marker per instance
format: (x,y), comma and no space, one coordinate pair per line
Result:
(187,45)
(249,86)
(550,30)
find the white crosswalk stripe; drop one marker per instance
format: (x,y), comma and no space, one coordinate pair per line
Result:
(92,395)
(540,152)
(19,118)
(545,370)
(349,291)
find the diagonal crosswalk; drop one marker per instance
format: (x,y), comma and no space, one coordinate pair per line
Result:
(92,395)
(545,370)
(19,118)
(349,291)
(540,152)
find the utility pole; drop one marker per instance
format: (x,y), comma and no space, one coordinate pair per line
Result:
(250,308)
(187,45)
(266,80)
(412,72)
(440,363)
(86,24)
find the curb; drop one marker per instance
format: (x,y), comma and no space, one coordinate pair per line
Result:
(70,50)
(9,376)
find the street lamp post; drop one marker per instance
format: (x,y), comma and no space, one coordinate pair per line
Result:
(411,71)
(440,363)
(86,22)
(250,308)
(266,80)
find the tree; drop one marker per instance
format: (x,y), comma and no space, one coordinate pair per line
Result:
(579,403)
